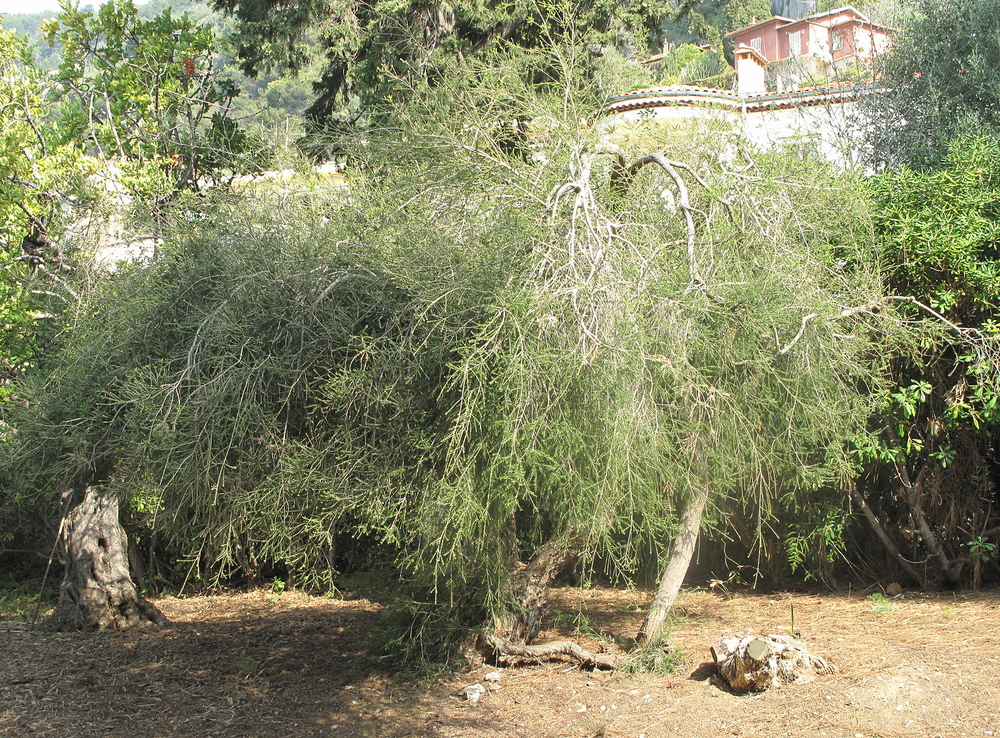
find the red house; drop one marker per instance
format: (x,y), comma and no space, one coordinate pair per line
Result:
(836,36)
(833,35)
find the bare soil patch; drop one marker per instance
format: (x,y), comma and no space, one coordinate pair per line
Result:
(261,665)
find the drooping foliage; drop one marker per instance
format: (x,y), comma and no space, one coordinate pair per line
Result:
(489,343)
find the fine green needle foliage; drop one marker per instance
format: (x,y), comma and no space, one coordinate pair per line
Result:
(503,335)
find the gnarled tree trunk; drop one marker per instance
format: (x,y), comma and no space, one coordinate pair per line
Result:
(530,584)
(97,591)
(530,590)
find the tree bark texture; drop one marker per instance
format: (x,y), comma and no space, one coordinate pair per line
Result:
(97,590)
(530,590)
(914,495)
(677,566)
(754,663)
(514,632)
(569,650)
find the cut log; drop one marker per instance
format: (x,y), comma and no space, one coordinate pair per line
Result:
(753,663)
(97,590)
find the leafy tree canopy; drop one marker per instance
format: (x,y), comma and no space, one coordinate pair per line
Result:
(483,351)
(38,168)
(941,77)
(148,91)
(372,47)
(939,231)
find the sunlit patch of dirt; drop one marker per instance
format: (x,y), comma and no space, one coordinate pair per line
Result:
(260,664)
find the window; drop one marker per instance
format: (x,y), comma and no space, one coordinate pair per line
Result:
(795,43)
(838,41)
(755,44)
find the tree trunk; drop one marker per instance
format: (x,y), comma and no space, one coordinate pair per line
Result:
(677,566)
(530,590)
(914,494)
(97,591)
(880,533)
(514,632)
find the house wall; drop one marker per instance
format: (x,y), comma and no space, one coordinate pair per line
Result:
(769,37)
(870,41)
(785,49)
(816,37)
(824,128)
(819,42)
(847,48)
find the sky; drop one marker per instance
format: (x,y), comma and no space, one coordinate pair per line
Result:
(36,6)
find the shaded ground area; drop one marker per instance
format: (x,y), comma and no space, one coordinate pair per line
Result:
(262,665)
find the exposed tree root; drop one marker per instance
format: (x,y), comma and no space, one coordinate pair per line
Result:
(561,650)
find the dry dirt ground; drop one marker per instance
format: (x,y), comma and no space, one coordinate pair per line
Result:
(257,665)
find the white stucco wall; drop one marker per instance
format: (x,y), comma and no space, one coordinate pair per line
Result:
(679,117)
(827,128)
(819,42)
(750,75)
(869,42)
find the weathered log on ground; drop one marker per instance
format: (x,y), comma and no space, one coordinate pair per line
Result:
(753,663)
(97,591)
(562,650)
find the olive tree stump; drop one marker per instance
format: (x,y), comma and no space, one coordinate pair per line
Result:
(97,590)
(754,663)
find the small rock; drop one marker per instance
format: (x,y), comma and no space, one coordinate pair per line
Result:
(474,691)
(493,676)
